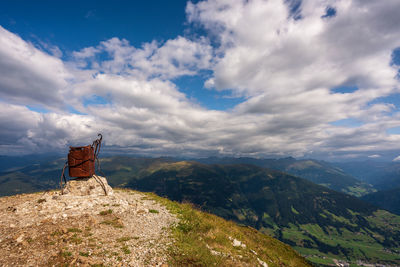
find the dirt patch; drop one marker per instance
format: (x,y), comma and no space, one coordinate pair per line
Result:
(53,229)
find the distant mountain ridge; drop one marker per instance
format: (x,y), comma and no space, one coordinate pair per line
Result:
(12,163)
(383,175)
(387,199)
(42,174)
(319,172)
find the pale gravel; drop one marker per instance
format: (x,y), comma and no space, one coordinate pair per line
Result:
(38,230)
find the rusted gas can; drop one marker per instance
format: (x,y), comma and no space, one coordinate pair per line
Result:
(81,161)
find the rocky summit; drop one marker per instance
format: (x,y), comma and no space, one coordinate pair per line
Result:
(84,226)
(90,224)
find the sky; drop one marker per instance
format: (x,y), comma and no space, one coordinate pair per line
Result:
(228,78)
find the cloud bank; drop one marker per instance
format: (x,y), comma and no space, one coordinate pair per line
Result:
(315,83)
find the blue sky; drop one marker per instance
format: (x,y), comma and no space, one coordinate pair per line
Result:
(72,25)
(202,78)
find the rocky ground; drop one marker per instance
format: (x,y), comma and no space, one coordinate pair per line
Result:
(84,228)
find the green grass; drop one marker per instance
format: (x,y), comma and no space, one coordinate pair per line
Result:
(105,212)
(76,239)
(126,250)
(339,218)
(383,218)
(202,239)
(320,260)
(74,230)
(124,239)
(295,234)
(84,254)
(56,233)
(114,222)
(359,190)
(153,211)
(66,253)
(294,211)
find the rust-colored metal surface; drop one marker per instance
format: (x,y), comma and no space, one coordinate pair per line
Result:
(81,161)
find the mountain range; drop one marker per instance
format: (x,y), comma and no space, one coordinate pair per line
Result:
(382,175)
(319,172)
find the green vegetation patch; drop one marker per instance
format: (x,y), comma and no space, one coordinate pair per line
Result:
(106,212)
(74,230)
(124,239)
(153,211)
(321,260)
(339,218)
(41,200)
(66,253)
(114,222)
(84,254)
(294,211)
(359,190)
(126,250)
(383,218)
(76,239)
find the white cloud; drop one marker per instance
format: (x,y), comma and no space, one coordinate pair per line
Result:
(396,158)
(175,57)
(265,51)
(26,131)
(15,122)
(28,75)
(375,156)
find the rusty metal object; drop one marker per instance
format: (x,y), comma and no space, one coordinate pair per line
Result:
(81,161)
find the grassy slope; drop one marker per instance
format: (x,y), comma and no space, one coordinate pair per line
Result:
(203,239)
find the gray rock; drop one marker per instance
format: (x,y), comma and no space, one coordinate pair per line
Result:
(92,186)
